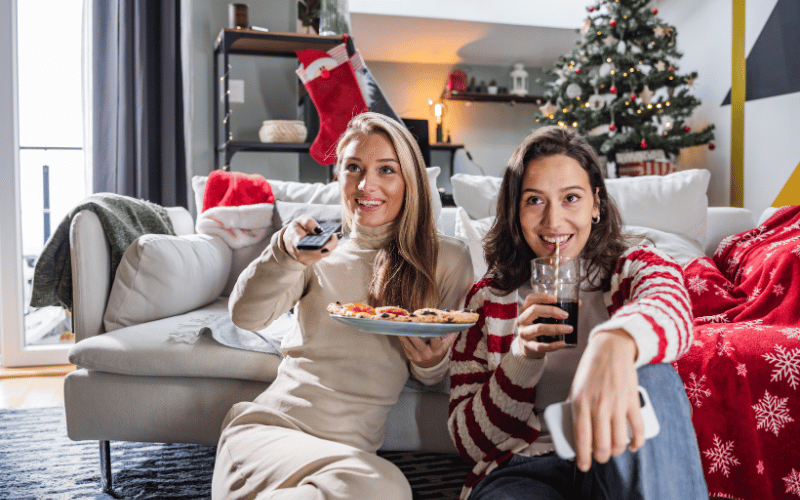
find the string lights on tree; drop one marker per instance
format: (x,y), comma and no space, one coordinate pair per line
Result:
(620,87)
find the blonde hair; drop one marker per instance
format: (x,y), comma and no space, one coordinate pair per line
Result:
(404,270)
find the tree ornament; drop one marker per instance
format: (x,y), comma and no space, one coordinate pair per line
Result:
(578,70)
(590,8)
(612,127)
(613,89)
(633,97)
(609,40)
(661,66)
(605,69)
(655,11)
(548,109)
(596,101)
(671,69)
(687,129)
(573,91)
(612,23)
(711,146)
(643,144)
(587,25)
(658,31)
(646,94)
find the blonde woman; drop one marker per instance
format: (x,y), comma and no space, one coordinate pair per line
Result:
(314,432)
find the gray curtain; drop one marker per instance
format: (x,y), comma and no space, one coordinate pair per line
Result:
(138,130)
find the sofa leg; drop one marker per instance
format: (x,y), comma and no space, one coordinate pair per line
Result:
(105,466)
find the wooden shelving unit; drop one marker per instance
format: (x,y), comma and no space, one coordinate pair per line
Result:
(255,43)
(484,97)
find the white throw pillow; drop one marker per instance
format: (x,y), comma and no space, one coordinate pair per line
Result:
(675,203)
(680,247)
(472,232)
(477,194)
(162,275)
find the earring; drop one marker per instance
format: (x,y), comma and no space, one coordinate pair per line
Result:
(596,220)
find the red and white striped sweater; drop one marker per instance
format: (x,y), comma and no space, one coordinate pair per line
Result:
(493,386)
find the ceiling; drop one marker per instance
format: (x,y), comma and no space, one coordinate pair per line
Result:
(425,40)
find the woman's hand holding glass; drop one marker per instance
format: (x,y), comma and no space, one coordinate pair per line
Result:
(296,231)
(540,305)
(605,398)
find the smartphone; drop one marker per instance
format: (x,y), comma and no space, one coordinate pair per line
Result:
(558,418)
(317,241)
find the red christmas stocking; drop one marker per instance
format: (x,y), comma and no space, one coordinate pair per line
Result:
(332,85)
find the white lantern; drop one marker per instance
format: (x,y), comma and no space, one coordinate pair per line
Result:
(519,80)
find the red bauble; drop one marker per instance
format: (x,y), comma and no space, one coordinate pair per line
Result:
(612,127)
(577,70)
(672,70)
(687,128)
(655,11)
(711,146)
(613,89)
(590,8)
(612,23)
(633,97)
(643,144)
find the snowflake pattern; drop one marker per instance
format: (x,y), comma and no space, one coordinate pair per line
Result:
(716,318)
(778,290)
(793,482)
(741,370)
(696,390)
(796,251)
(791,333)
(772,414)
(725,349)
(721,457)
(697,284)
(760,467)
(787,365)
(756,324)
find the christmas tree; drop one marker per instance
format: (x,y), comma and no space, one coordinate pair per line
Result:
(620,86)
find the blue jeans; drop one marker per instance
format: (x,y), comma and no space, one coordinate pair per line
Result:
(667,467)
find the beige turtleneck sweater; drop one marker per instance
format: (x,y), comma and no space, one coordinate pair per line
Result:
(336,382)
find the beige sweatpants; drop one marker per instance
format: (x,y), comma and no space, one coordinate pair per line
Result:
(257,461)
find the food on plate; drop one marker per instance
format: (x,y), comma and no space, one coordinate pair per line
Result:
(395,313)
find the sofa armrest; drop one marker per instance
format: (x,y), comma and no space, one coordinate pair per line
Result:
(726,221)
(90,258)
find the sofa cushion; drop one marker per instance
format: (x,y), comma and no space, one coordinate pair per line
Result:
(162,275)
(472,232)
(674,203)
(476,194)
(174,347)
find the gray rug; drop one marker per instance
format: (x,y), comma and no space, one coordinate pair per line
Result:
(38,461)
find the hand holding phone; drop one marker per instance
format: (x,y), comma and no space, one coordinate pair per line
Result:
(558,418)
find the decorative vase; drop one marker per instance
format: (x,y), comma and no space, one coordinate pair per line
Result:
(282,131)
(334,17)
(519,80)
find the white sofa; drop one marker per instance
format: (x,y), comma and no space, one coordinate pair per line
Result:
(146,373)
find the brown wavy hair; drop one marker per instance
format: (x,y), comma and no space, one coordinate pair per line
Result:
(506,251)
(404,270)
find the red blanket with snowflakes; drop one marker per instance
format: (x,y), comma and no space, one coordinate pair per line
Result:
(742,374)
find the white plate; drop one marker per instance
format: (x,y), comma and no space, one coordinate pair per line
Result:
(406,329)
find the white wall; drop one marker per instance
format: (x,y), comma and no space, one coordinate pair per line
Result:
(772,151)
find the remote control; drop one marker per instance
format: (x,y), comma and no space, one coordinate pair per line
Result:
(317,241)
(559,420)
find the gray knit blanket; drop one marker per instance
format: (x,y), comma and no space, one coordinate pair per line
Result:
(123,219)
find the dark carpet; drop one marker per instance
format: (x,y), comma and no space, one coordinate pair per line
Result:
(38,461)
